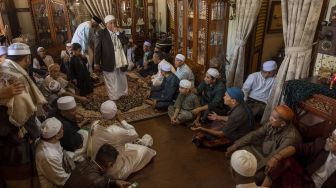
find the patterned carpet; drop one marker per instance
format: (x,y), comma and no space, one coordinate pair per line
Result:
(130,108)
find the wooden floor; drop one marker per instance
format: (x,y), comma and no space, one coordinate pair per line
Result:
(178,162)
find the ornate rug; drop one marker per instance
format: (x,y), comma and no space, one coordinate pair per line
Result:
(130,108)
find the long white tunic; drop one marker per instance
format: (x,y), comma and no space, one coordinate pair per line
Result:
(132,157)
(49,159)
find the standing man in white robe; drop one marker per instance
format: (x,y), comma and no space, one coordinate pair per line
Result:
(111,59)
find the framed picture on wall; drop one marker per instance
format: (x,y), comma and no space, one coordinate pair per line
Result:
(274,23)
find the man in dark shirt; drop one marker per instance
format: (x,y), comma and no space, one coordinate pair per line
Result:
(92,174)
(227,129)
(162,96)
(320,170)
(211,92)
(73,139)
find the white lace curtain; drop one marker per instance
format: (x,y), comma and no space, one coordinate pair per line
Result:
(300,19)
(247,13)
(100,8)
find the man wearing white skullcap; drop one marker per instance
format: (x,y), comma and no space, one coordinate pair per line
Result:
(257,87)
(41,63)
(146,66)
(181,111)
(183,71)
(159,60)
(244,167)
(111,59)
(3,53)
(75,138)
(21,102)
(319,172)
(49,155)
(118,133)
(85,36)
(211,92)
(162,96)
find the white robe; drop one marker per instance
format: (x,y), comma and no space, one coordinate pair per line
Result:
(49,159)
(116,81)
(116,84)
(132,157)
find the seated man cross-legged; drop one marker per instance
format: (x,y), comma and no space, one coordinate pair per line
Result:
(210,92)
(319,171)
(269,139)
(181,111)
(162,96)
(225,130)
(257,88)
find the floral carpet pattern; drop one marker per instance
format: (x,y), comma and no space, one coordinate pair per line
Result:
(130,108)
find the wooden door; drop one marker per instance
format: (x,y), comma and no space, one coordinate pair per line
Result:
(254,47)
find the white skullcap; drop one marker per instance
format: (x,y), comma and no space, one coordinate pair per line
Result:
(334,132)
(50,127)
(213,72)
(68,44)
(180,57)
(54,86)
(39,49)
(166,67)
(269,66)
(108,109)
(18,49)
(244,163)
(66,103)
(3,50)
(185,84)
(109,18)
(146,43)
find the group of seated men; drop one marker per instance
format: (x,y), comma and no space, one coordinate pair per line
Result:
(67,155)
(66,152)
(230,115)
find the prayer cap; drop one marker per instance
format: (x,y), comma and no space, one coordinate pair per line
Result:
(66,103)
(50,127)
(285,112)
(54,86)
(270,66)
(39,49)
(146,43)
(68,44)
(213,72)
(96,19)
(180,57)
(185,84)
(18,49)
(236,93)
(109,18)
(166,67)
(334,132)
(3,50)
(244,163)
(108,109)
